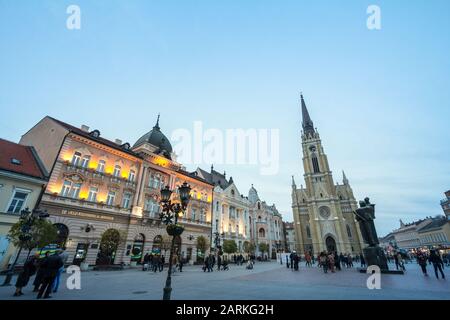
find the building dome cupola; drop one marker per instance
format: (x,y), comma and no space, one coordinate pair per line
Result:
(157,139)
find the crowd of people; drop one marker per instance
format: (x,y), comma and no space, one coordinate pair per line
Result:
(48,270)
(156,262)
(434,259)
(327,261)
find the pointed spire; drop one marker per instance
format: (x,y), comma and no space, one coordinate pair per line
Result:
(344,178)
(293,183)
(307,124)
(231,180)
(212,168)
(157,123)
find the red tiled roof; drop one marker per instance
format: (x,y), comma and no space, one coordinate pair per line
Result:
(29,164)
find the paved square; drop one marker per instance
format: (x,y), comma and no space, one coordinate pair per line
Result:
(267,281)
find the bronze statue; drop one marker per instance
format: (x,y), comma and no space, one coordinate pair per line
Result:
(365,216)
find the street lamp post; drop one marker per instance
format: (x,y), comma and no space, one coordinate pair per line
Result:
(28,218)
(169,216)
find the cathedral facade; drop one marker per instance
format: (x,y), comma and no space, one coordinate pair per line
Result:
(323,210)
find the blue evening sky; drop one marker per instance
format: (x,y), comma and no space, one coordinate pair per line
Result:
(380,99)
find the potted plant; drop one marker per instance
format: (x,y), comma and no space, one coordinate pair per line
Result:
(175,229)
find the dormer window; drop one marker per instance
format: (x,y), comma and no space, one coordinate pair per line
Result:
(95,133)
(16,161)
(126,146)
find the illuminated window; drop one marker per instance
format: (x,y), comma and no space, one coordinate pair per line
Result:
(131,175)
(93,194)
(76,159)
(70,189)
(67,185)
(101,166)
(111,198)
(17,202)
(117,170)
(85,161)
(126,201)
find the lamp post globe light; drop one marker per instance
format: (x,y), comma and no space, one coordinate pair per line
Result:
(169,216)
(28,218)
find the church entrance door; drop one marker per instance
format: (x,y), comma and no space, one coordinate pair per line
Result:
(331,244)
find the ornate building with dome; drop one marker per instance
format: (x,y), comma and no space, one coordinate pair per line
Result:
(323,210)
(101,187)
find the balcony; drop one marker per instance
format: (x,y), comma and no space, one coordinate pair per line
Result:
(58,199)
(98,176)
(194,222)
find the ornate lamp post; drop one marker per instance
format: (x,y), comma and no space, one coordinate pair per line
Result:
(28,218)
(169,216)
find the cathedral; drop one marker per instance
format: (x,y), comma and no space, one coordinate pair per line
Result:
(323,210)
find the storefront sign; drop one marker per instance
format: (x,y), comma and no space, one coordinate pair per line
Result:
(86,215)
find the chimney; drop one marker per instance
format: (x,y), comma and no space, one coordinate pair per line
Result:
(85,128)
(118,141)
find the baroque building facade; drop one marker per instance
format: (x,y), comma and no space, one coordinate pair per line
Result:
(231,210)
(266,226)
(98,185)
(323,210)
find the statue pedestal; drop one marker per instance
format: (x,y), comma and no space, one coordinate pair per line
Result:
(374,256)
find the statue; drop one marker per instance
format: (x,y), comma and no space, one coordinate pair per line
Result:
(373,254)
(365,216)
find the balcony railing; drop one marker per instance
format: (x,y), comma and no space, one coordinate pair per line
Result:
(84,203)
(99,175)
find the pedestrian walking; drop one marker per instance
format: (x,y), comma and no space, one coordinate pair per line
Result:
(64,256)
(51,266)
(323,262)
(29,269)
(40,272)
(162,262)
(337,261)
(422,261)
(363,261)
(400,261)
(436,260)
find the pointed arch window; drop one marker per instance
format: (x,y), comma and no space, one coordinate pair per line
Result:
(315,163)
(349,232)
(308,232)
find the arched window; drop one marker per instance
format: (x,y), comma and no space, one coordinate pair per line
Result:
(315,164)
(62,233)
(259,219)
(259,206)
(308,232)
(349,232)
(157,243)
(262,233)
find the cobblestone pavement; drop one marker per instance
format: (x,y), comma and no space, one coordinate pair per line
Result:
(268,280)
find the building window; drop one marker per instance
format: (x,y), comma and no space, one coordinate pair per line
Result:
(101,166)
(217,206)
(111,198)
(93,194)
(308,232)
(117,169)
(17,202)
(85,161)
(262,233)
(126,200)
(193,214)
(315,164)
(70,189)
(67,185)
(132,176)
(76,159)
(349,232)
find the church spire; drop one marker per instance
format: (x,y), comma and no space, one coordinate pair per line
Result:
(157,123)
(344,178)
(308,126)
(294,186)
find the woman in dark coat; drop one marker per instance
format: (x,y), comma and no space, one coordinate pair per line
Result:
(40,273)
(29,269)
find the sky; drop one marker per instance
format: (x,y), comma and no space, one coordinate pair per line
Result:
(380,99)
